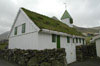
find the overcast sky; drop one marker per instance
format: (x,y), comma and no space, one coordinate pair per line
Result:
(85,13)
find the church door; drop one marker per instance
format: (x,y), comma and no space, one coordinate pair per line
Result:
(58,41)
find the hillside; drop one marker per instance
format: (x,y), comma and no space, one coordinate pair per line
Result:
(97,28)
(87,30)
(4,35)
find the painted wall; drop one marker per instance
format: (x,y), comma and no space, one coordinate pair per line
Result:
(27,40)
(70,49)
(30,27)
(98,47)
(45,41)
(67,21)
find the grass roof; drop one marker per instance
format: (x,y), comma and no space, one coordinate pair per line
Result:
(44,22)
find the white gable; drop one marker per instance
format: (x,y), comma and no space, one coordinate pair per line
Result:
(27,40)
(21,19)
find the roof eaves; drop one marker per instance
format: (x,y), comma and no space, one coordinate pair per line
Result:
(59,33)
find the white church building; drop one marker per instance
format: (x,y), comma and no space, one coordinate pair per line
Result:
(35,31)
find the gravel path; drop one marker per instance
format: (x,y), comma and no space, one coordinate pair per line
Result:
(90,62)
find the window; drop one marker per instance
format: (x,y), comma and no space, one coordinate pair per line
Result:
(73,40)
(15,33)
(80,40)
(53,38)
(76,40)
(23,28)
(68,39)
(83,41)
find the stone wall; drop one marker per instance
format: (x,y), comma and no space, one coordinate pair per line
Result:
(47,57)
(85,52)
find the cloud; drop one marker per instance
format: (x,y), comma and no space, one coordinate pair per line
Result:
(2,29)
(85,13)
(8,10)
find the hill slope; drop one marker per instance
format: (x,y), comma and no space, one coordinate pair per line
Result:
(87,30)
(97,28)
(4,35)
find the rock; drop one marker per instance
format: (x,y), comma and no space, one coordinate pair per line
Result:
(32,62)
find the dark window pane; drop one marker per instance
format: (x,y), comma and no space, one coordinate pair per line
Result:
(80,40)
(68,39)
(76,40)
(73,40)
(15,33)
(23,28)
(53,38)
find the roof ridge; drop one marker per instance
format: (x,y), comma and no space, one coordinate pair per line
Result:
(36,12)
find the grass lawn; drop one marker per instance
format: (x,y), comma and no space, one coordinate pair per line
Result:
(3,46)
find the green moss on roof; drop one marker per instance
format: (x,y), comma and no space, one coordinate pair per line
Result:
(44,22)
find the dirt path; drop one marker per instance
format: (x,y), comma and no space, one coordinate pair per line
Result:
(6,63)
(90,62)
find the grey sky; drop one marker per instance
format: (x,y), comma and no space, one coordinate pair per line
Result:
(85,13)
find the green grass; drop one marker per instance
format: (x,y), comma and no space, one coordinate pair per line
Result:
(44,22)
(3,46)
(88,39)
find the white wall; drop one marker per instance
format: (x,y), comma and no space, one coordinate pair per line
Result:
(98,47)
(27,40)
(45,41)
(67,21)
(21,20)
(70,49)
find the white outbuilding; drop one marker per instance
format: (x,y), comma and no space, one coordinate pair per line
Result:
(35,31)
(96,39)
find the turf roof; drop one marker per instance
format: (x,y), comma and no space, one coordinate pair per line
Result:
(44,22)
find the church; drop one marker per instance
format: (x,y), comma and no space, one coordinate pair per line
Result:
(31,30)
